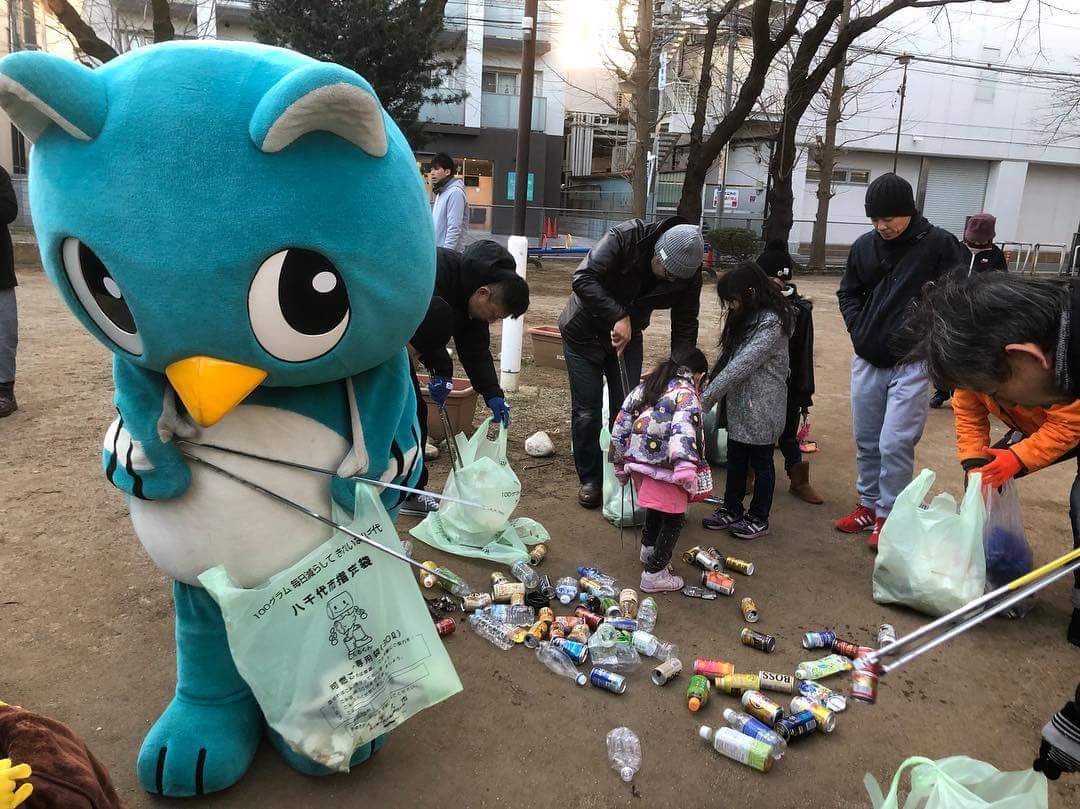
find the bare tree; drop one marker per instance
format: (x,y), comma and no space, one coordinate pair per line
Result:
(637,43)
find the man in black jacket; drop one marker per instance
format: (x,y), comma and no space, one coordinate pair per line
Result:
(472,290)
(9,317)
(634,270)
(886,271)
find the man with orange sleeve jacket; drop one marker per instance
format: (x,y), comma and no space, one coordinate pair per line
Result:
(1038,438)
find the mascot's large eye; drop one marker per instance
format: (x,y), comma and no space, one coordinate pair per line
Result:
(298,305)
(100,295)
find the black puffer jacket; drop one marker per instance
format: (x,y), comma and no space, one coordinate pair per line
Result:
(616,279)
(884,278)
(9,209)
(801,351)
(457,277)
(992,260)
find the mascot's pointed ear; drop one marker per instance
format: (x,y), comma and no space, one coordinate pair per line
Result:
(319,98)
(38,89)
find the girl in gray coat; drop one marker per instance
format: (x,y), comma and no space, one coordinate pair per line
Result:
(750,376)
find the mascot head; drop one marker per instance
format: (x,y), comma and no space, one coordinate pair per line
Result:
(226,213)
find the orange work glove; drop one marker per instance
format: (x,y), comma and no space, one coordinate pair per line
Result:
(1003,467)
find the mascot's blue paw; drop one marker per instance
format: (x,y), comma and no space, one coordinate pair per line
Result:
(193,749)
(308,767)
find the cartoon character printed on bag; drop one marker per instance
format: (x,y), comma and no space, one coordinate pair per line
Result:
(347,617)
(245,229)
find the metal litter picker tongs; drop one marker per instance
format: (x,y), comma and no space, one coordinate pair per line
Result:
(625,379)
(457,586)
(896,654)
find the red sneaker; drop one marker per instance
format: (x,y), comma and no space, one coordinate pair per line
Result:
(861,519)
(879,523)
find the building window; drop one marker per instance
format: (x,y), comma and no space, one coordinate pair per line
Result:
(506,82)
(841,175)
(987,84)
(18,152)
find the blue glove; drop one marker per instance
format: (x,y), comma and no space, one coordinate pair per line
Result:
(439,390)
(500,410)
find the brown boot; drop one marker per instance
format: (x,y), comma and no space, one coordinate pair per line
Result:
(800,484)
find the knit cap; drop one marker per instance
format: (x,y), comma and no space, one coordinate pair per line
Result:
(890,195)
(980,228)
(681,250)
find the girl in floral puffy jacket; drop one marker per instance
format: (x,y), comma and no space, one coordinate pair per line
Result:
(657,441)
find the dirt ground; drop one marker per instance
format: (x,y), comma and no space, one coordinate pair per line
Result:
(88,626)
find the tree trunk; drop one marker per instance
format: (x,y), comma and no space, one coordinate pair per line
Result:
(88,42)
(163,27)
(781,195)
(827,158)
(641,108)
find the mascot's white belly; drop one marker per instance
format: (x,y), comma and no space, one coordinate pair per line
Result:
(221,522)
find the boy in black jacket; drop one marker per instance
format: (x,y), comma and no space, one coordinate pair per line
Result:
(886,271)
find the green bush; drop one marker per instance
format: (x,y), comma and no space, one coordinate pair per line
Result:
(733,244)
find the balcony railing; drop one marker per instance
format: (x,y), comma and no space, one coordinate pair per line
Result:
(444,113)
(501,111)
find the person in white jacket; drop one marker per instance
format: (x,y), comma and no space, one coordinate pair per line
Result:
(450,211)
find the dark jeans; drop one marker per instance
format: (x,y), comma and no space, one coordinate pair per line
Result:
(740,457)
(421,415)
(587,374)
(661,532)
(789,439)
(1074,519)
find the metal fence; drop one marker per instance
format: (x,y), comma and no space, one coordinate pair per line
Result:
(23,223)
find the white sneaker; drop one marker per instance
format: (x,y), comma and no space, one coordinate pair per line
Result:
(662,582)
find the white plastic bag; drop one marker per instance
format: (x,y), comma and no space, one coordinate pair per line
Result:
(339,648)
(930,558)
(1008,554)
(620,502)
(960,782)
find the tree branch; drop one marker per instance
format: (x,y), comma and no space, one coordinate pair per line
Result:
(697,128)
(89,42)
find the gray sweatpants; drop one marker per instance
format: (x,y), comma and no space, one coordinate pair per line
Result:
(888,410)
(9,334)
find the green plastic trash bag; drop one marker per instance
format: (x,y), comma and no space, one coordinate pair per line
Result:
(485,477)
(960,782)
(715,438)
(619,501)
(339,648)
(930,558)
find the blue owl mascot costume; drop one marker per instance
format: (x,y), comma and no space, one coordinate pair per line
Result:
(246,230)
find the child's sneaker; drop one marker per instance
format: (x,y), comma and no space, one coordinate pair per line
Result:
(879,523)
(720,519)
(663,581)
(861,519)
(749,528)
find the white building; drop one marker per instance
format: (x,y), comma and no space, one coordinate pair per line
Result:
(972,139)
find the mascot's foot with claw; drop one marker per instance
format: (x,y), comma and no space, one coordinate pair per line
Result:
(308,767)
(207,737)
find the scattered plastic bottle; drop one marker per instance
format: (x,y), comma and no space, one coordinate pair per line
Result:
(624,752)
(651,646)
(512,614)
(525,574)
(729,742)
(566,589)
(646,614)
(498,634)
(596,573)
(406,547)
(559,663)
(756,729)
(452,582)
(612,649)
(824,667)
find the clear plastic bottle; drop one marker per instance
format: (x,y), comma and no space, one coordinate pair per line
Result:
(596,573)
(499,634)
(566,589)
(452,582)
(624,752)
(512,614)
(612,649)
(646,614)
(756,729)
(729,742)
(524,573)
(559,663)
(651,646)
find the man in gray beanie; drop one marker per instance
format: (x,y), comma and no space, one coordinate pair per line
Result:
(886,271)
(634,270)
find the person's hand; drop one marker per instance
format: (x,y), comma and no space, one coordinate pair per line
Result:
(1003,467)
(621,333)
(10,797)
(439,389)
(621,474)
(500,410)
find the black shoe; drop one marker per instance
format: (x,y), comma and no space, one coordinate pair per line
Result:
(7,405)
(1074,629)
(939,398)
(589,495)
(418,505)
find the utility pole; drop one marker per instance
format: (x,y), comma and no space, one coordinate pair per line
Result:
(513,328)
(903,59)
(828,156)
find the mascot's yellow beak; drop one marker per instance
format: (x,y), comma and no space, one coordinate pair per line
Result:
(210,388)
